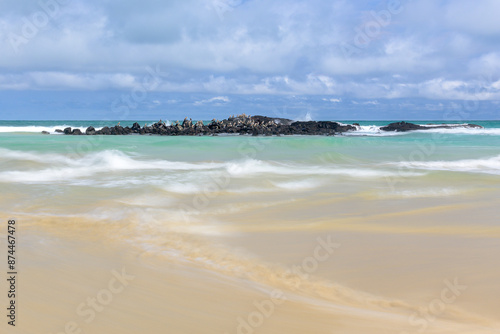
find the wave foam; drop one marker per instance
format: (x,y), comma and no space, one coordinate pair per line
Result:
(371,130)
(297,185)
(251,167)
(38,129)
(65,168)
(465,131)
(485,165)
(421,193)
(58,167)
(375,130)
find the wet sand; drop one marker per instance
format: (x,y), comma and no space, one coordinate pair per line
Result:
(379,278)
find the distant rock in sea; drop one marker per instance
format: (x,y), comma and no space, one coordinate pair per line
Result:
(404,126)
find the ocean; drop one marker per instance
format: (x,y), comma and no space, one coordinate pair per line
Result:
(364,232)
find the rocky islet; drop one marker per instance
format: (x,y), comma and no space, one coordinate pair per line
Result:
(250,125)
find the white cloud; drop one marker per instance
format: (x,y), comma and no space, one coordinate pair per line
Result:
(218,100)
(482,88)
(333,100)
(372,103)
(432,50)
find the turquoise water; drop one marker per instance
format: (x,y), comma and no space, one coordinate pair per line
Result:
(423,162)
(463,150)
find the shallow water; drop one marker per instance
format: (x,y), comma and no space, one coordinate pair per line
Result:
(211,226)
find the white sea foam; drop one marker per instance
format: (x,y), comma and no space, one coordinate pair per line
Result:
(250,167)
(109,159)
(38,129)
(47,158)
(445,124)
(374,130)
(421,193)
(465,131)
(147,201)
(297,185)
(371,130)
(484,165)
(188,188)
(62,168)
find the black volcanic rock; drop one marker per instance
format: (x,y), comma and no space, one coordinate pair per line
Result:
(77,132)
(319,128)
(90,131)
(117,130)
(251,125)
(104,131)
(404,126)
(265,119)
(136,127)
(242,125)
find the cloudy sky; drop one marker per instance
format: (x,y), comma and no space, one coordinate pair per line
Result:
(324,59)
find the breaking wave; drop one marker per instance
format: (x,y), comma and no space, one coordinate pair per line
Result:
(121,168)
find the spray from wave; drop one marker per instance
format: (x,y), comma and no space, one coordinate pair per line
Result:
(304,118)
(38,129)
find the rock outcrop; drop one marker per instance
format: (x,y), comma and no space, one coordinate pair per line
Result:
(249,125)
(404,126)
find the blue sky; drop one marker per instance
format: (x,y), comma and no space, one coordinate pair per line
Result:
(150,59)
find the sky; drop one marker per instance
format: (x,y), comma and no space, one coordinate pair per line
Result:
(314,59)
